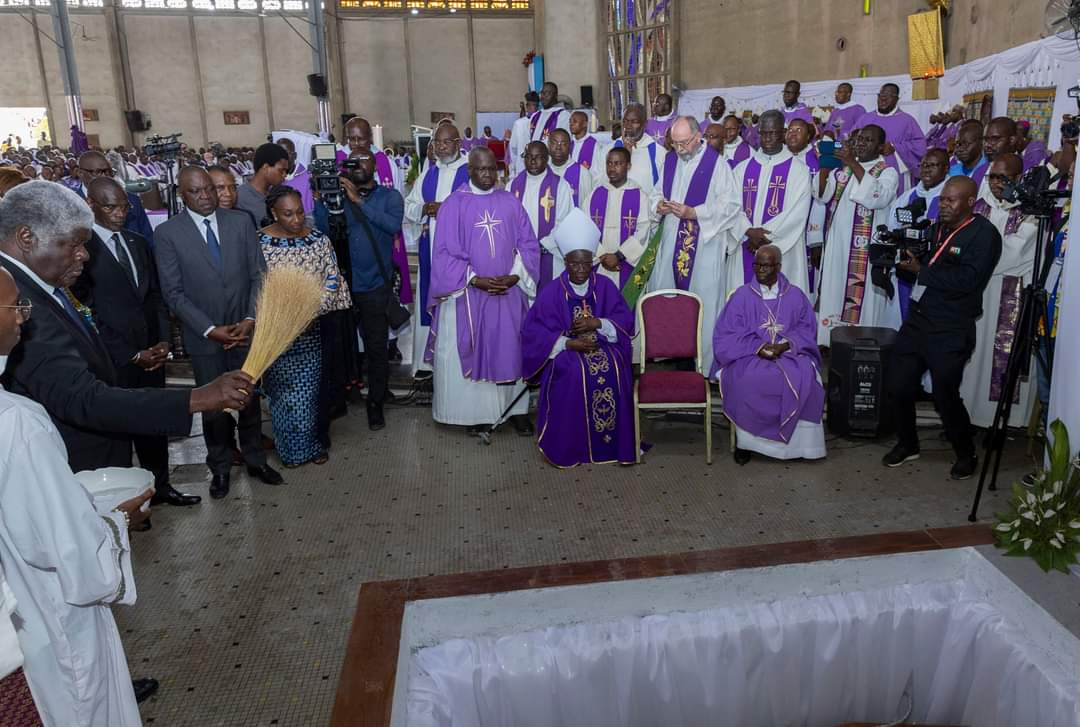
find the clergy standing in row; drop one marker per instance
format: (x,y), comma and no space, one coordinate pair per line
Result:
(485,266)
(700,208)
(547,199)
(520,135)
(449,172)
(736,149)
(575,174)
(646,155)
(550,116)
(715,114)
(584,148)
(775,193)
(905,142)
(576,338)
(622,211)
(844,114)
(995,330)
(859,195)
(793,108)
(663,117)
(798,141)
(768,365)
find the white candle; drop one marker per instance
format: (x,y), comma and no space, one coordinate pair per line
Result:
(376,136)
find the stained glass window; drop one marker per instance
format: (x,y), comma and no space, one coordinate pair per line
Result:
(638,51)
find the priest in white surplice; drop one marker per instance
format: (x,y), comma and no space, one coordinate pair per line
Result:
(552,115)
(64,562)
(699,209)
(547,199)
(519,136)
(775,189)
(858,196)
(623,213)
(646,155)
(450,171)
(576,174)
(984,374)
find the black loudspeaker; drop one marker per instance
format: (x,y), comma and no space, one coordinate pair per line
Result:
(316,84)
(859,360)
(586,97)
(137,121)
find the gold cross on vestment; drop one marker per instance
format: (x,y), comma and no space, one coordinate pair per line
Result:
(547,202)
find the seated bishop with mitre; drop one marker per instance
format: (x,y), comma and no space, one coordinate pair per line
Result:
(577,338)
(767,362)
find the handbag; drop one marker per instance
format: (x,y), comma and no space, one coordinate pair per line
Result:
(397,314)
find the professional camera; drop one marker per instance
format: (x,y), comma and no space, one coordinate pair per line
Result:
(1070,130)
(913,236)
(165,147)
(326,176)
(1033,192)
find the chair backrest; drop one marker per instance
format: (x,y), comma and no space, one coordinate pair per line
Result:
(670,324)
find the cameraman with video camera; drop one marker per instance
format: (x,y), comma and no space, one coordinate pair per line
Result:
(373,215)
(939,333)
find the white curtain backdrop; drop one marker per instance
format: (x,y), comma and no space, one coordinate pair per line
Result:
(1046,62)
(817,661)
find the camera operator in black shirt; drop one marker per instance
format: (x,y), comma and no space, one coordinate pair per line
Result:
(939,333)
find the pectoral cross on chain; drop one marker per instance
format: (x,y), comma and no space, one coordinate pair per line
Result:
(775,187)
(547,202)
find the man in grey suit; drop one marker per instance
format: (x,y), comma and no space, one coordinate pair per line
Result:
(210,266)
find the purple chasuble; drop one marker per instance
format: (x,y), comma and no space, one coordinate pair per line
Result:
(545,216)
(767,398)
(428,188)
(777,186)
(588,149)
(906,136)
(657,128)
(301,182)
(586,412)
(686,237)
(842,121)
(799,112)
(1035,153)
(479,235)
(628,217)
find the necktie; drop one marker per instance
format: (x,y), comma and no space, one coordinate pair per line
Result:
(124,258)
(70,309)
(212,244)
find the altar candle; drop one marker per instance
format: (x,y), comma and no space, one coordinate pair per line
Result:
(376,136)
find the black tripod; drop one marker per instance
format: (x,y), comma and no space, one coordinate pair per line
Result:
(1033,301)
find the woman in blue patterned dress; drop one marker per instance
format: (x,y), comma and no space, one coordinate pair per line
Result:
(292,383)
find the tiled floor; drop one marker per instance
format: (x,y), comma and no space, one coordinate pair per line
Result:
(245,603)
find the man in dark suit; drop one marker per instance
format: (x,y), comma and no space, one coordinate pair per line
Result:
(119,284)
(62,363)
(93,165)
(211,267)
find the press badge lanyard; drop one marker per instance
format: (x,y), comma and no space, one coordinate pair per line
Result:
(952,234)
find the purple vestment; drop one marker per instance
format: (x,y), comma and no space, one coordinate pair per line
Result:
(742,153)
(906,136)
(429,185)
(939,136)
(586,153)
(301,182)
(586,411)
(1035,153)
(628,220)
(657,128)
(767,398)
(800,111)
(478,235)
(842,121)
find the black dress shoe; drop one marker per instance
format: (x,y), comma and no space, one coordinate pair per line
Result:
(144,688)
(267,474)
(219,486)
(523,425)
(376,420)
(741,456)
(170,496)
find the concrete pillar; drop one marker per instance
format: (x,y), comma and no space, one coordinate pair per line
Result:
(68,68)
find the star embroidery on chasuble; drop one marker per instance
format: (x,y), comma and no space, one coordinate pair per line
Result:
(773,327)
(489,222)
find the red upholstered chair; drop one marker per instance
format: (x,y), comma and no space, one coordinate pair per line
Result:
(669,322)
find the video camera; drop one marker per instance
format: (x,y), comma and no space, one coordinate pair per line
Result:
(912,236)
(166,147)
(326,176)
(1033,192)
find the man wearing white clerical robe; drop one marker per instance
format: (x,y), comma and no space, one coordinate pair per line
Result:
(775,193)
(984,375)
(64,562)
(646,155)
(547,199)
(736,148)
(450,171)
(552,115)
(577,175)
(584,147)
(700,207)
(859,196)
(624,213)
(519,136)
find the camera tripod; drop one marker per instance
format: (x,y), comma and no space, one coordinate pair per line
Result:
(1033,301)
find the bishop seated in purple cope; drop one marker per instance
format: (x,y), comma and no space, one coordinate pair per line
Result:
(767,363)
(576,337)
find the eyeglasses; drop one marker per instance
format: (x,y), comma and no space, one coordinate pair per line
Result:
(684,145)
(22,309)
(766,266)
(105,172)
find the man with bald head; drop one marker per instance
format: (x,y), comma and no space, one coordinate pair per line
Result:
(663,116)
(211,268)
(939,333)
(968,150)
(985,372)
(547,199)
(583,146)
(646,154)
(91,166)
(449,172)
(714,137)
